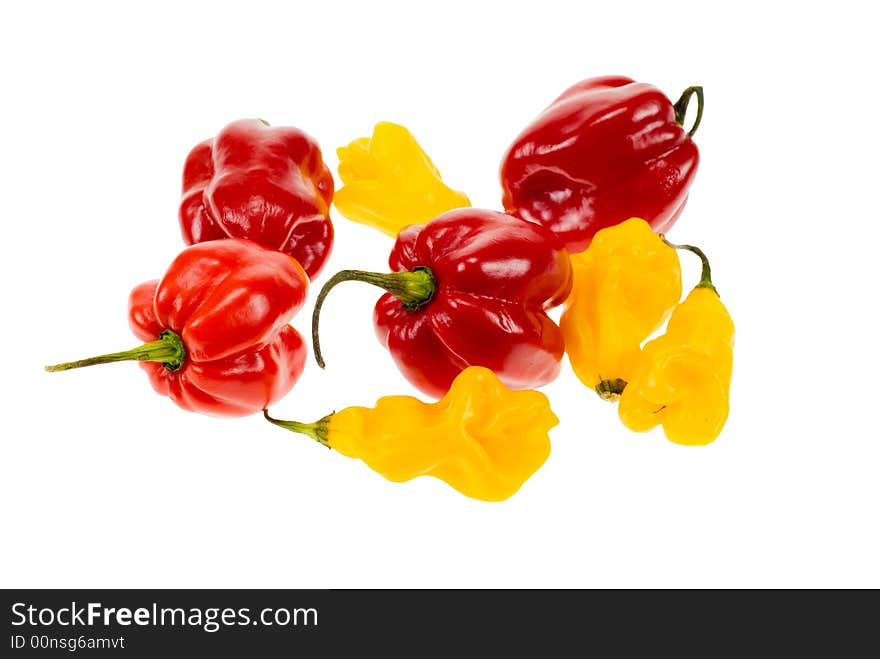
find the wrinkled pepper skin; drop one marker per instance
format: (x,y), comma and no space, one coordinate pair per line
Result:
(469,288)
(607,149)
(230,301)
(262,183)
(625,286)
(216,328)
(683,377)
(481,438)
(390,182)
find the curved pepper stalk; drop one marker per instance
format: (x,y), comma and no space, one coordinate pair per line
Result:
(414,290)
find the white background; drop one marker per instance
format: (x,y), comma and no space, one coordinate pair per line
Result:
(105,484)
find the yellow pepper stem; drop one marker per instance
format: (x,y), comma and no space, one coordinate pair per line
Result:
(319,430)
(414,289)
(706,275)
(681,106)
(610,390)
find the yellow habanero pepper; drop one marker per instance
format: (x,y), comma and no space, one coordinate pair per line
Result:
(683,377)
(625,285)
(390,182)
(481,438)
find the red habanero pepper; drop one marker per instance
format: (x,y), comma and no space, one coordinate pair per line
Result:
(261,183)
(606,150)
(469,288)
(216,328)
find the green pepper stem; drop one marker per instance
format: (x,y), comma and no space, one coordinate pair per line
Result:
(706,275)
(414,289)
(681,106)
(319,430)
(167,349)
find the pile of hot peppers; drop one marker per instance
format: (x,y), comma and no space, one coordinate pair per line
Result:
(588,189)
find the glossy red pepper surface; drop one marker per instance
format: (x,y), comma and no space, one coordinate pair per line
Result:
(471,288)
(263,183)
(229,302)
(606,150)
